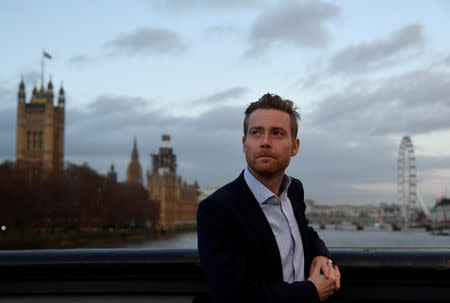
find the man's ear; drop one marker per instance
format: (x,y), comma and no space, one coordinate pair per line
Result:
(295,147)
(243,143)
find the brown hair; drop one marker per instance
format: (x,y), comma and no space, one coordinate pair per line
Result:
(271,101)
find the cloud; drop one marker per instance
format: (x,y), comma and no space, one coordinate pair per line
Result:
(389,188)
(206,4)
(224,119)
(447,60)
(298,24)
(219,30)
(351,137)
(147,40)
(234,92)
(80,59)
(331,162)
(332,158)
(31,78)
(370,55)
(7,95)
(340,166)
(309,81)
(102,138)
(414,102)
(118,104)
(8,133)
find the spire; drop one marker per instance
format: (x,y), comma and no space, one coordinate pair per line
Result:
(50,84)
(61,97)
(22,85)
(21,94)
(35,91)
(134,173)
(134,154)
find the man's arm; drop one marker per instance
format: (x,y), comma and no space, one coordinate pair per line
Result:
(225,265)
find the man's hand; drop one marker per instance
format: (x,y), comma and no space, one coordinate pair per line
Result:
(327,269)
(325,277)
(324,286)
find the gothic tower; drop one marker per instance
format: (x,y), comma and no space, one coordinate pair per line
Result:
(165,162)
(40,132)
(177,199)
(134,173)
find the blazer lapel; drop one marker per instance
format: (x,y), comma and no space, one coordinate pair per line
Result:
(295,195)
(257,222)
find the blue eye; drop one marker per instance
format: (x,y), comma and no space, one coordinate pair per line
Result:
(278,133)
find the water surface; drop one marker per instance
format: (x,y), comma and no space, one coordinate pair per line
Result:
(334,237)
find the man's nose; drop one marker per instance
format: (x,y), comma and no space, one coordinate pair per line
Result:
(265,140)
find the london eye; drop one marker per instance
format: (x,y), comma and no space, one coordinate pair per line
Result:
(406,176)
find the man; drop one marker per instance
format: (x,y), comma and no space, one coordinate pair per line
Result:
(254,241)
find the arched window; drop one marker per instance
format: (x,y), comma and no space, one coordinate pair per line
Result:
(28,140)
(41,140)
(34,140)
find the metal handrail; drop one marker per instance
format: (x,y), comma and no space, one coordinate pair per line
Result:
(371,275)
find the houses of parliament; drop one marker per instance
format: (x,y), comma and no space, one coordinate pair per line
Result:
(40,153)
(177,199)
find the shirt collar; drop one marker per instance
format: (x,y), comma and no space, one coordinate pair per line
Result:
(260,191)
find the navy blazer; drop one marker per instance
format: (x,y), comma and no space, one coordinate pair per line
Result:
(238,251)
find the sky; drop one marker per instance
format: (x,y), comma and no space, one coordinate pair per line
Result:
(362,73)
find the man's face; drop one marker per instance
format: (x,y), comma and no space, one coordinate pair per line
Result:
(269,145)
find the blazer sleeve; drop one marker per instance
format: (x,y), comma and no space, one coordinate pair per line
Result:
(318,247)
(314,245)
(225,264)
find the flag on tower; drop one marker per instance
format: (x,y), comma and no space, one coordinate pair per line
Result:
(47,55)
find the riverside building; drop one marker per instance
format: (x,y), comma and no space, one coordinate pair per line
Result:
(40,132)
(177,199)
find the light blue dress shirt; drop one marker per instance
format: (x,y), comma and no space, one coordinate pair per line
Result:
(278,211)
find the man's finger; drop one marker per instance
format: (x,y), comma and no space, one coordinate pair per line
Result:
(338,278)
(325,269)
(313,268)
(316,268)
(330,269)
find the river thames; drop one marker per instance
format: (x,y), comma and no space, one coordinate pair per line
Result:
(335,237)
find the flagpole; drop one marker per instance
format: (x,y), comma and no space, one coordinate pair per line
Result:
(42,69)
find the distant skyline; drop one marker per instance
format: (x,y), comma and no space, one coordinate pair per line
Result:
(364,74)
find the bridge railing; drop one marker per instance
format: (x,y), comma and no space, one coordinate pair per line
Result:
(137,275)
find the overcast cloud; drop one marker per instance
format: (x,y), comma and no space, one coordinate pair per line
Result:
(80,59)
(8,133)
(219,30)
(359,92)
(415,102)
(122,104)
(234,92)
(297,24)
(147,40)
(337,147)
(7,94)
(447,60)
(370,55)
(206,4)
(31,78)
(200,141)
